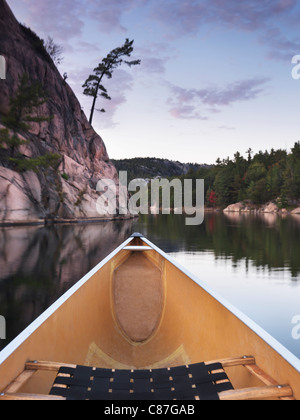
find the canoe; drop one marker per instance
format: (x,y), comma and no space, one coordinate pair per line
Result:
(139,326)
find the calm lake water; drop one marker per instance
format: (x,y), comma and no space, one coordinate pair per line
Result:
(252,261)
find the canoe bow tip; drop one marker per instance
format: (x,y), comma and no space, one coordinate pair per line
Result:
(137,235)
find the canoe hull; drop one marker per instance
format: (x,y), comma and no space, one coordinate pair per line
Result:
(189,324)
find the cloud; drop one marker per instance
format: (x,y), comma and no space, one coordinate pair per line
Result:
(65,19)
(251,15)
(226,127)
(153,65)
(186,112)
(154,57)
(62,20)
(243,90)
(108,13)
(185,103)
(280,47)
(188,17)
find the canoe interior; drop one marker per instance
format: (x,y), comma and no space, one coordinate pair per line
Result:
(140,311)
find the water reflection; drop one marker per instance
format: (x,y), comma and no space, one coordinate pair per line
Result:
(266,240)
(251,260)
(37,265)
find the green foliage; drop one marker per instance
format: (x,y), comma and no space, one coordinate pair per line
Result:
(8,140)
(65,176)
(257,191)
(291,186)
(114,59)
(29,97)
(224,186)
(44,162)
(261,178)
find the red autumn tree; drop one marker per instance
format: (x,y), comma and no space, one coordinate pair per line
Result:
(212,198)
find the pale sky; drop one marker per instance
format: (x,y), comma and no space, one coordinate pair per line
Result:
(216,76)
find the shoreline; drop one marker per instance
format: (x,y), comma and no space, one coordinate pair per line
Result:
(245,207)
(238,209)
(53,222)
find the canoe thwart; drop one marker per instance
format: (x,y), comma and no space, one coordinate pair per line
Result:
(137,248)
(238,361)
(260,393)
(46,366)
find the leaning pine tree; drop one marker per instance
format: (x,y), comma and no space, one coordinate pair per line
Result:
(114,59)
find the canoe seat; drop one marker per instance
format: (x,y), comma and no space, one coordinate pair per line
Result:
(180,383)
(203,381)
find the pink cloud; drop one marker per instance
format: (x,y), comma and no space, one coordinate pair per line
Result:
(188,17)
(108,13)
(153,65)
(185,103)
(61,20)
(64,19)
(186,112)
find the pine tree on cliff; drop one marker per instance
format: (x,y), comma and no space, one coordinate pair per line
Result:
(114,59)
(28,98)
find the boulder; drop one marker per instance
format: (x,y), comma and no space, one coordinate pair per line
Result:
(271,208)
(235,208)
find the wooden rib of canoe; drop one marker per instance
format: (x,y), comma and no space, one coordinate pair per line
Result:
(138,309)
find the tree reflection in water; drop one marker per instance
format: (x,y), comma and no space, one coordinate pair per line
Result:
(39,264)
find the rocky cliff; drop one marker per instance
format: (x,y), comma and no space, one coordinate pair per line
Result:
(69,192)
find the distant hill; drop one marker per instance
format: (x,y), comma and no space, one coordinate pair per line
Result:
(154,167)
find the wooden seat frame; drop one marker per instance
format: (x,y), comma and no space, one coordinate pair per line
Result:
(271,390)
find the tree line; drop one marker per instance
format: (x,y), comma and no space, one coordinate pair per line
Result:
(262,177)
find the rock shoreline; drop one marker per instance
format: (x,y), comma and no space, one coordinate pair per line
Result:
(271,207)
(50,222)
